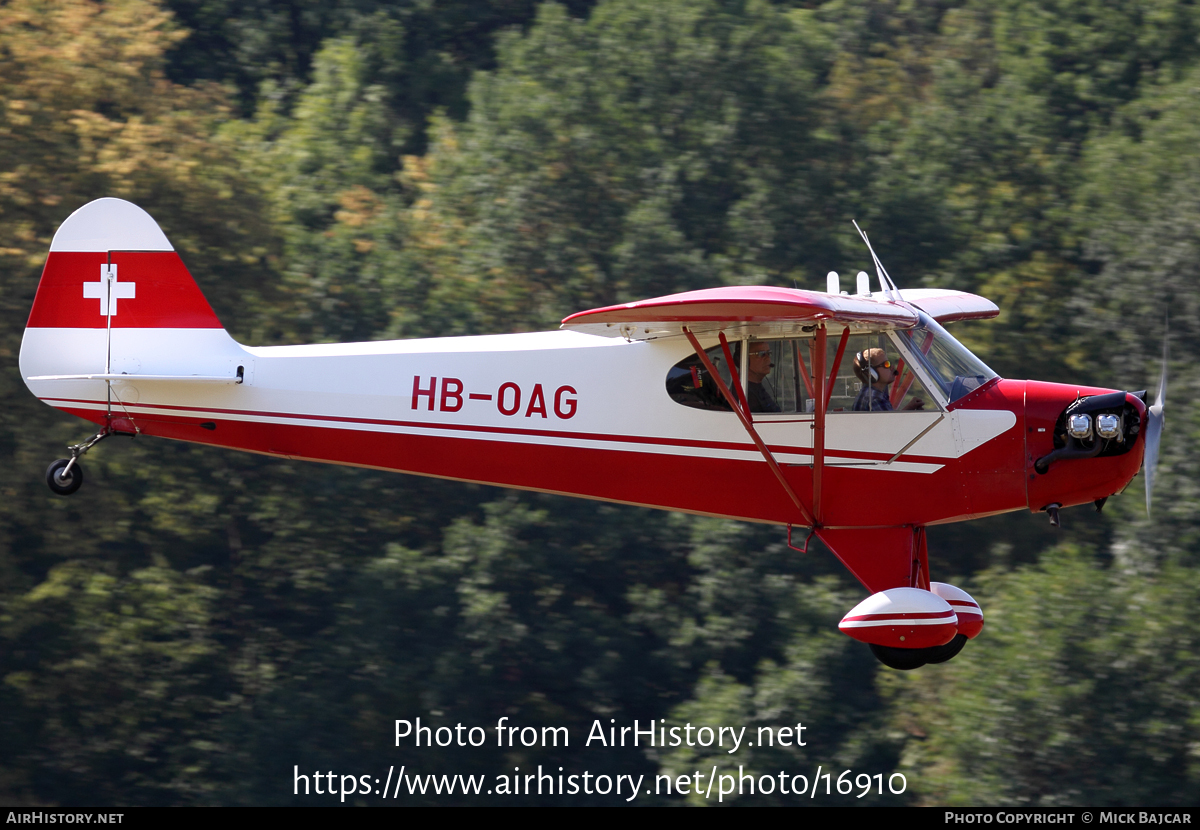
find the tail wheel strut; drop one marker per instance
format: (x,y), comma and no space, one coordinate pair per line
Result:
(65,475)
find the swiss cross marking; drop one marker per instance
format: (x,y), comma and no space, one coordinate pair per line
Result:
(108,282)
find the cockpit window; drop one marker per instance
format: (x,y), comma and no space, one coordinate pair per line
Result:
(891,387)
(769,379)
(778,376)
(772,382)
(950,363)
(690,384)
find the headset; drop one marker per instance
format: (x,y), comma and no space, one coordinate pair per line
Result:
(863,362)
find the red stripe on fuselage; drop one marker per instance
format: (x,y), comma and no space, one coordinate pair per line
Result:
(741,489)
(683,443)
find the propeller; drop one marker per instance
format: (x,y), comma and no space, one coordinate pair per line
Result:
(1154,427)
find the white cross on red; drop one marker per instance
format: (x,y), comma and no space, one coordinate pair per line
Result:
(108,286)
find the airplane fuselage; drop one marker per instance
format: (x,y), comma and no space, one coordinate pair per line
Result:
(571,413)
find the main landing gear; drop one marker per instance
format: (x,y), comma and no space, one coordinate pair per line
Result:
(65,475)
(907,659)
(907,628)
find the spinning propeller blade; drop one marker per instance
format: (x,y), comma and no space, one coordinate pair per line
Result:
(1154,426)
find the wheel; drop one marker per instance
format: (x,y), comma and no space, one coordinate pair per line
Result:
(907,659)
(64,486)
(940,654)
(903,659)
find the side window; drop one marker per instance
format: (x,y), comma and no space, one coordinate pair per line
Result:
(779,377)
(873,377)
(689,383)
(772,381)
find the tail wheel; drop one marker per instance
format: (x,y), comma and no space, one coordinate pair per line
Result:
(907,659)
(62,482)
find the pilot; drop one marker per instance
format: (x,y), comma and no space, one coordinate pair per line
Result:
(877,372)
(758,395)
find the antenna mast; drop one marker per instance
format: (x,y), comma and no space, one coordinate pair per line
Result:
(885,279)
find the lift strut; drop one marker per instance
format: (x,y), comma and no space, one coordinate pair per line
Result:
(744,416)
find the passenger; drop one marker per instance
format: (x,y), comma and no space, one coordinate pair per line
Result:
(758,395)
(877,372)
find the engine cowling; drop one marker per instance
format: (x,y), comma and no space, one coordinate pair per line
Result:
(906,618)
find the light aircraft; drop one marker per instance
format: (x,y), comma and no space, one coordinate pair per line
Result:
(856,417)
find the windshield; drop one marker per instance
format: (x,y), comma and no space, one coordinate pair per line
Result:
(955,369)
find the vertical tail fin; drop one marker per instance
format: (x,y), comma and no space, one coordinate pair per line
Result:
(115,299)
(110,254)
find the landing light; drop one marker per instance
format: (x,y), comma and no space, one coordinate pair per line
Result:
(1079,426)
(1108,426)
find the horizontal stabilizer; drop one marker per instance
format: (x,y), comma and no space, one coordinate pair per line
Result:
(140,378)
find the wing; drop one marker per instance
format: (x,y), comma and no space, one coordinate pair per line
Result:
(766,310)
(947,306)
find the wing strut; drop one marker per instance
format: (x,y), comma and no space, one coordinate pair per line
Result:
(820,404)
(822,394)
(744,417)
(837,364)
(733,373)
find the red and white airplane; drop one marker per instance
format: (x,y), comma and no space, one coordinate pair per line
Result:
(857,417)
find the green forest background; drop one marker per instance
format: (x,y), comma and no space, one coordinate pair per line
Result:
(194,622)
